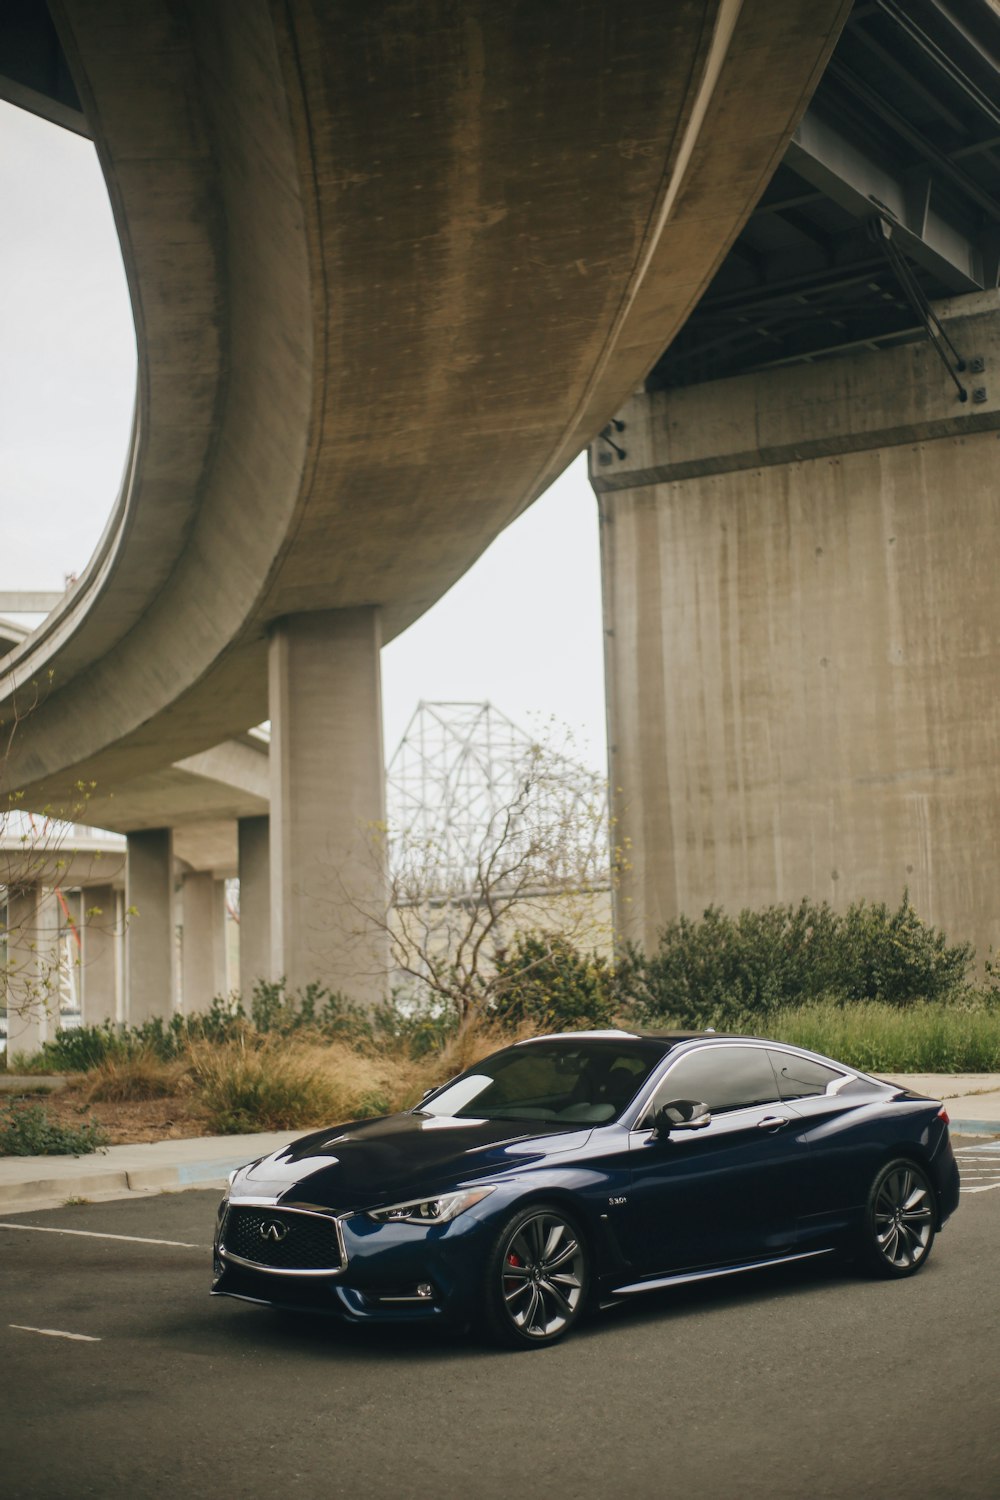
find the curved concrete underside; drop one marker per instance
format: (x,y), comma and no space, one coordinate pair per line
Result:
(391,267)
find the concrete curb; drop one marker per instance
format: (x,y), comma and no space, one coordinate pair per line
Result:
(53,1192)
(28,1183)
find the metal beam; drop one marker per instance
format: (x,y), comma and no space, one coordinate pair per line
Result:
(870,99)
(865,188)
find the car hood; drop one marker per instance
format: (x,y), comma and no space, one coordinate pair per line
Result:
(371,1162)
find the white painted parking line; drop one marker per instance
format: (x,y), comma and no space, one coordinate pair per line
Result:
(91,1234)
(980,1168)
(56,1333)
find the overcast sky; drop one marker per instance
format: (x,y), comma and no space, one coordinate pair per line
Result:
(522,628)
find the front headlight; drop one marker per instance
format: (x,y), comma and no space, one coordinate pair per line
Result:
(430,1210)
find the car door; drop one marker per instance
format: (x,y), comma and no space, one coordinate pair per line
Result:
(723,1194)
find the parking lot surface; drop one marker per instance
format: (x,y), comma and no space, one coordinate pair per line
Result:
(123,1378)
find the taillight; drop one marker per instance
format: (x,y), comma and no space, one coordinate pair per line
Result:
(942,1115)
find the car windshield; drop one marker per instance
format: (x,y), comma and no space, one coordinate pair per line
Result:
(586,1082)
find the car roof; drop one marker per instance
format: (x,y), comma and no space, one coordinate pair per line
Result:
(667,1039)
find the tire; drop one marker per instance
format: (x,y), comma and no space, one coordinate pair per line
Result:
(900,1219)
(537,1278)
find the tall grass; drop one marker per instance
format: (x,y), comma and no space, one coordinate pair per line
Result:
(928,1037)
(279,1084)
(125,1077)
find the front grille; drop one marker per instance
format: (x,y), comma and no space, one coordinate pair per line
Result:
(282,1239)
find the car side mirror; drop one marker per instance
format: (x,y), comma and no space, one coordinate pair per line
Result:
(681,1114)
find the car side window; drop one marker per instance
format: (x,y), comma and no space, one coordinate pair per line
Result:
(800,1078)
(724,1078)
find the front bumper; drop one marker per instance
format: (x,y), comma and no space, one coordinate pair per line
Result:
(394,1272)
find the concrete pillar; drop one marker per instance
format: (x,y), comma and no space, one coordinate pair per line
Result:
(149,941)
(220,920)
(31,974)
(255,903)
(803,638)
(199,920)
(99,939)
(328,894)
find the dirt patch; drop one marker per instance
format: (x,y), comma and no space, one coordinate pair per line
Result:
(131,1122)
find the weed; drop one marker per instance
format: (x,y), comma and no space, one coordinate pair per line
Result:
(27,1130)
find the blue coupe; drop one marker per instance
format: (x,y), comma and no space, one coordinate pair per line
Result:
(584,1168)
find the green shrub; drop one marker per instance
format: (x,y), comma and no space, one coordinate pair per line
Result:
(546,981)
(716,971)
(75,1050)
(28,1130)
(80,1048)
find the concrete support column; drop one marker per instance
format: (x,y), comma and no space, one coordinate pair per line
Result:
(328,891)
(220,959)
(200,918)
(100,936)
(149,941)
(803,638)
(255,903)
(31,974)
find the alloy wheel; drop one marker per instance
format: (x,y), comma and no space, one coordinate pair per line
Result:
(542,1274)
(901,1218)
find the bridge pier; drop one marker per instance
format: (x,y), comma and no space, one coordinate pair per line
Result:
(255,903)
(149,937)
(203,941)
(100,936)
(803,637)
(327,821)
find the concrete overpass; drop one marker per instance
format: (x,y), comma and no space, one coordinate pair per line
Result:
(391,267)
(800,513)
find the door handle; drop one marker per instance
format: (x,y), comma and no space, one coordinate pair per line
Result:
(771,1122)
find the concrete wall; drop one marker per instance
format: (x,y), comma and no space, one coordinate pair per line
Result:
(803,638)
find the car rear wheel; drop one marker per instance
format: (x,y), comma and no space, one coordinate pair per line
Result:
(537,1278)
(899,1220)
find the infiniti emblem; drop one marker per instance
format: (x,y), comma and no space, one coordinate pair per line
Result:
(271,1229)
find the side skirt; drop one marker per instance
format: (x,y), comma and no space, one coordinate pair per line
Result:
(683,1277)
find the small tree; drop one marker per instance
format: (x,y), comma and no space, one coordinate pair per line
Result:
(471,919)
(36,854)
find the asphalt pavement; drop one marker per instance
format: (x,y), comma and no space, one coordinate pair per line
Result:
(123,1378)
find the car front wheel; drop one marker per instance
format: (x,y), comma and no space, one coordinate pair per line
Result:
(537,1278)
(899,1220)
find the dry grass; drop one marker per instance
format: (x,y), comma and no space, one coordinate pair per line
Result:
(285,1083)
(271,1082)
(142,1075)
(288,1083)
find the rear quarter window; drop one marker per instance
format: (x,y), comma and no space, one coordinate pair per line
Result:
(801,1078)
